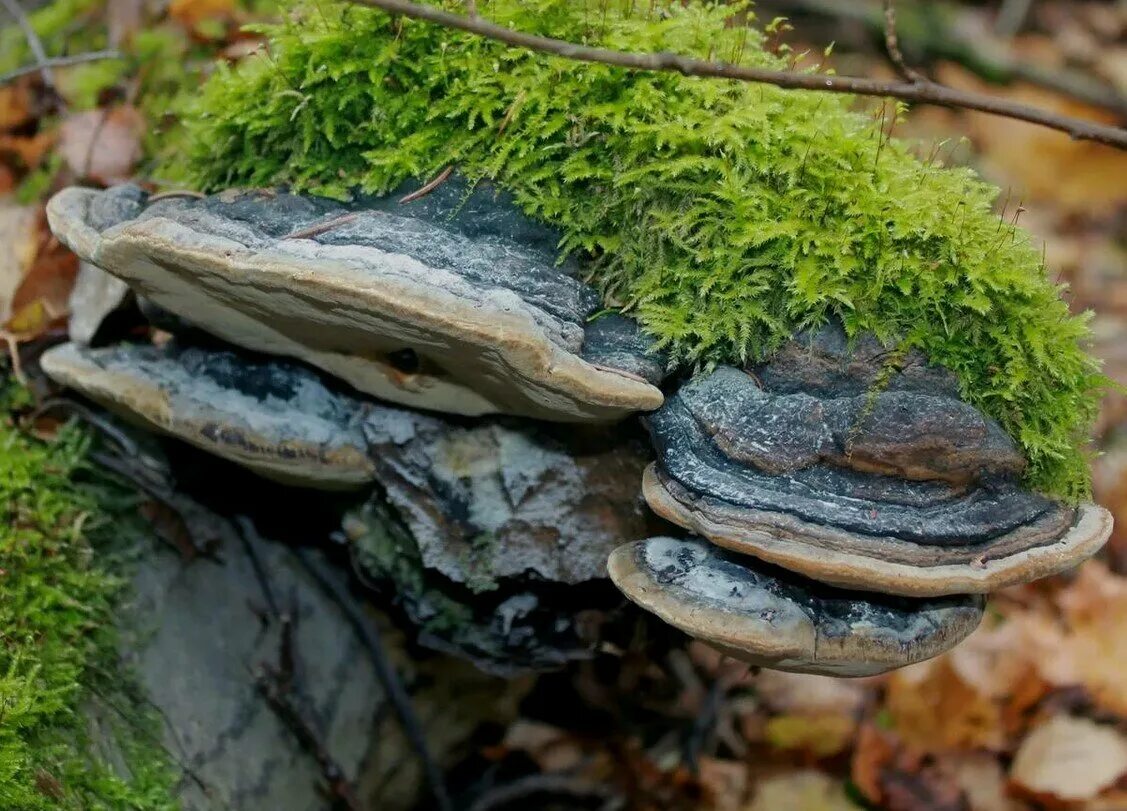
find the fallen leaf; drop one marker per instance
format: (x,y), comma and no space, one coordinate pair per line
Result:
(874,751)
(190,13)
(16,105)
(41,299)
(934,709)
(102,145)
(30,149)
(1038,163)
(19,234)
(821,735)
(982,780)
(1088,645)
(805,693)
(804,790)
(927,788)
(552,748)
(1069,759)
(724,783)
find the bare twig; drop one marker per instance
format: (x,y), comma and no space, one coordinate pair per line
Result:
(393,686)
(321,228)
(983,57)
(275,686)
(58,62)
(892,44)
(520,793)
(429,187)
(926,92)
(33,41)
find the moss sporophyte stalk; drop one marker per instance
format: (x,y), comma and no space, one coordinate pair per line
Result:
(724,216)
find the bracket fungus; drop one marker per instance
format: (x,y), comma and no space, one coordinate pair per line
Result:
(852,508)
(463,520)
(435,306)
(817,464)
(773,618)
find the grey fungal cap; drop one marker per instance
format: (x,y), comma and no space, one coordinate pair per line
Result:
(774,618)
(811,463)
(451,303)
(277,419)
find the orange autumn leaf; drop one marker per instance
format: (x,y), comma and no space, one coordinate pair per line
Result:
(934,709)
(190,13)
(1040,164)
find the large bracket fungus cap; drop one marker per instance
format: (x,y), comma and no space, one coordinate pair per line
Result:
(417,305)
(903,488)
(773,618)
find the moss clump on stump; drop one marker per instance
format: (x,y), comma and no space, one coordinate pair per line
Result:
(724,216)
(62,696)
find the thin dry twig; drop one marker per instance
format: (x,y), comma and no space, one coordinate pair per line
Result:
(321,228)
(892,45)
(33,41)
(57,62)
(385,672)
(926,92)
(429,187)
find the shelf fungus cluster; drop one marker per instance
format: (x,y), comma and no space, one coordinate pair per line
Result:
(846,512)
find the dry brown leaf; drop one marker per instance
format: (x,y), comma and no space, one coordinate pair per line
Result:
(1070,759)
(552,748)
(1040,164)
(874,751)
(16,105)
(804,790)
(724,783)
(41,300)
(29,149)
(934,709)
(20,238)
(190,13)
(7,179)
(982,781)
(1085,643)
(805,693)
(102,145)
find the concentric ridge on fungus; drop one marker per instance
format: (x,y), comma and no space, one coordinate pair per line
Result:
(774,618)
(727,215)
(901,488)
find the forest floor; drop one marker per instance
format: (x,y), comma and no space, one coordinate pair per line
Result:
(1029,713)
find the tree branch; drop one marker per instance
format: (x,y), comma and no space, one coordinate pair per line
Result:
(926,92)
(892,45)
(57,62)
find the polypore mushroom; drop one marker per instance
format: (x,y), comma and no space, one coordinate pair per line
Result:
(774,618)
(275,418)
(810,463)
(435,303)
(473,526)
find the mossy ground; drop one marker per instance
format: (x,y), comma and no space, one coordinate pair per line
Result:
(66,710)
(724,216)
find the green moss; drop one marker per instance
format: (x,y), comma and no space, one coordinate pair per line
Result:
(58,669)
(725,216)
